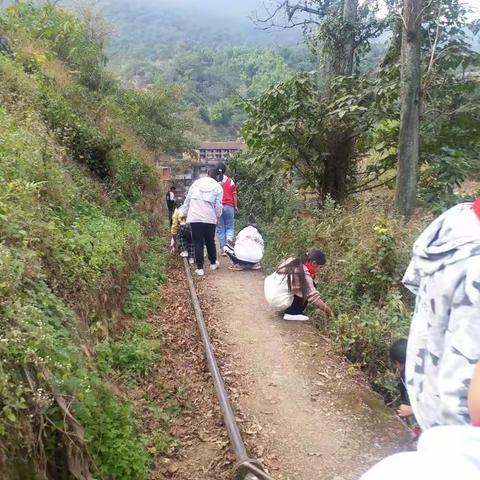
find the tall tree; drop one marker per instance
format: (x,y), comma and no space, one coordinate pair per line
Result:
(410,100)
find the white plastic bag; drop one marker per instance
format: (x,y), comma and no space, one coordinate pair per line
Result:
(276,291)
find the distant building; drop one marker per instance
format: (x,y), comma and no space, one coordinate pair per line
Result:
(207,156)
(210,153)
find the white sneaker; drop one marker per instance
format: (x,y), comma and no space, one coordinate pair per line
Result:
(215,265)
(257,266)
(298,318)
(191,261)
(184,254)
(223,254)
(200,272)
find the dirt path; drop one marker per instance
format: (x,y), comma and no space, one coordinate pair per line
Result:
(303,410)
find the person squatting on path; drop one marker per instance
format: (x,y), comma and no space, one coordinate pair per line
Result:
(203,208)
(301,274)
(226,225)
(443,351)
(398,356)
(182,235)
(171,202)
(247,250)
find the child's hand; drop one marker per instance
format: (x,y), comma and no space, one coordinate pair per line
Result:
(405,411)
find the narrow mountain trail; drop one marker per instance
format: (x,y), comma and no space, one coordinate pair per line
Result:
(310,415)
(303,411)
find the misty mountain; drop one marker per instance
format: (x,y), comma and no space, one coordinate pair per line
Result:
(146,25)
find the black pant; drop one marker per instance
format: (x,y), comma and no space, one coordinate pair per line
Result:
(231,254)
(204,234)
(297,307)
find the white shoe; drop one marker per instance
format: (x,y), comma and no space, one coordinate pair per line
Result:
(200,272)
(215,265)
(191,261)
(257,266)
(223,254)
(298,318)
(184,254)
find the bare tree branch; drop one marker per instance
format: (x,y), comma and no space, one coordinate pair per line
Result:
(271,14)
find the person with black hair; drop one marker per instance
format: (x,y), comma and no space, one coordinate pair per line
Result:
(171,203)
(203,208)
(398,356)
(226,224)
(300,273)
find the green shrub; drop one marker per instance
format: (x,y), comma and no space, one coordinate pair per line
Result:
(133,356)
(118,451)
(143,294)
(66,34)
(130,174)
(94,246)
(135,353)
(77,132)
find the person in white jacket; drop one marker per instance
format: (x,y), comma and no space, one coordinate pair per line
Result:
(443,353)
(203,208)
(247,250)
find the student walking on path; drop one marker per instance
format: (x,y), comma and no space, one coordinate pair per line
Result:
(203,208)
(171,203)
(226,225)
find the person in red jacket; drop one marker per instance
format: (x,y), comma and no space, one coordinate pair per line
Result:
(226,224)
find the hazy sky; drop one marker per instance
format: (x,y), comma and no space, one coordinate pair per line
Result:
(246,6)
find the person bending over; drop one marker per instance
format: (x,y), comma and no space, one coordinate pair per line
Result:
(398,355)
(301,274)
(247,249)
(182,235)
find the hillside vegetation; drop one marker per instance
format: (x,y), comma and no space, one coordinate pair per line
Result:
(210,50)
(78,204)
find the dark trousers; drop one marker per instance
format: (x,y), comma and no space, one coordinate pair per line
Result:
(297,307)
(204,234)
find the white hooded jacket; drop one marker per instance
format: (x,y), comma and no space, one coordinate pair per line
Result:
(249,245)
(204,201)
(444,340)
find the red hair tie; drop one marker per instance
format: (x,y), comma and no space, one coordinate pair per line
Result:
(476,207)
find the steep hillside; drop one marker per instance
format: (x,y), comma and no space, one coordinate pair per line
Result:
(78,204)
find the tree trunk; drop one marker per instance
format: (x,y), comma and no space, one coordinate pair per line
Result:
(410,95)
(339,61)
(349,21)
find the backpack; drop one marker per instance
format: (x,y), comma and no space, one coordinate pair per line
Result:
(276,291)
